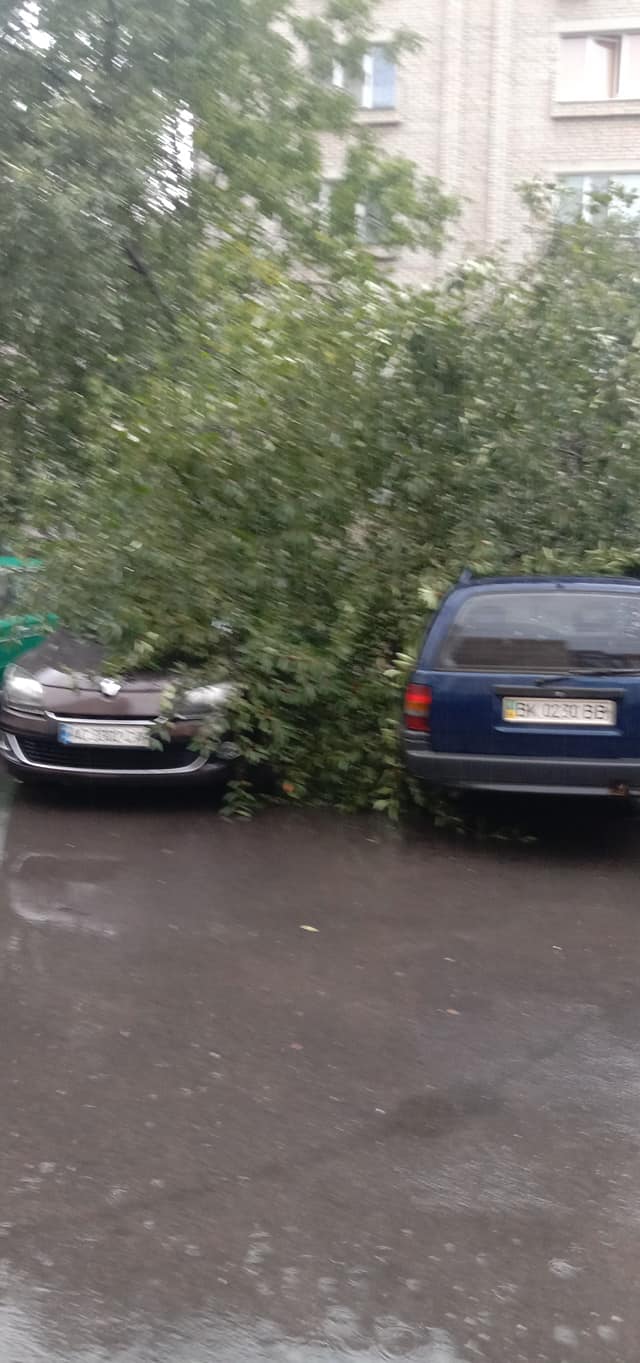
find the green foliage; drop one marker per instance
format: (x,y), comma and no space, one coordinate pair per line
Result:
(215,409)
(147,151)
(322,467)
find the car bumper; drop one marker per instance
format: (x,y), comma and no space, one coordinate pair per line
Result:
(37,756)
(541,776)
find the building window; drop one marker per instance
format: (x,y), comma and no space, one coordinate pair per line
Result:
(599,66)
(374,87)
(598,195)
(323,201)
(367,217)
(371,223)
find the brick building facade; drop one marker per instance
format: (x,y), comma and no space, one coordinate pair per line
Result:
(501,92)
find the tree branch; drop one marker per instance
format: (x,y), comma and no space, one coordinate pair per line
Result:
(111,40)
(141,268)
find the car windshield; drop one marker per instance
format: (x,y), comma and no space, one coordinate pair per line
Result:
(564,631)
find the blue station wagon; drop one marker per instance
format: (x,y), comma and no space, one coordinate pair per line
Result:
(529,684)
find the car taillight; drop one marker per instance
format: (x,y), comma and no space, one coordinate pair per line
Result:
(417,708)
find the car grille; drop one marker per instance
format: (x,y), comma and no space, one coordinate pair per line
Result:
(47,752)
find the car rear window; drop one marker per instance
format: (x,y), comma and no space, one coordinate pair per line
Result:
(544,631)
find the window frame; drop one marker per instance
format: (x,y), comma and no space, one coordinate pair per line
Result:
(588,188)
(616,38)
(370,224)
(369,219)
(362,88)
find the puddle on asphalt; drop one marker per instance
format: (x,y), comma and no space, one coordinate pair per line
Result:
(25,1338)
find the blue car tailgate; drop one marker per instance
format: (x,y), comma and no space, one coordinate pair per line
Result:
(468,714)
(539,668)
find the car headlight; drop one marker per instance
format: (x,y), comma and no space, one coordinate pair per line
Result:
(22,692)
(202,700)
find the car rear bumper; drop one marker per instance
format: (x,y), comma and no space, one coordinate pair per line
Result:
(542,776)
(26,756)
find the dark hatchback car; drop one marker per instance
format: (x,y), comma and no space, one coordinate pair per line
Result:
(530,684)
(61,717)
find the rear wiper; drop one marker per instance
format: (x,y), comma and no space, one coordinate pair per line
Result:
(589,672)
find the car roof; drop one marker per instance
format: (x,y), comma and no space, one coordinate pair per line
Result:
(474,584)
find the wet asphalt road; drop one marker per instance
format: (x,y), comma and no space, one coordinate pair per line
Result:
(412,1133)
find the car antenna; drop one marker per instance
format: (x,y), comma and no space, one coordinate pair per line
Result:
(465,577)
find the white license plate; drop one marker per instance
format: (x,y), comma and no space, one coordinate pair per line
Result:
(546,710)
(106,735)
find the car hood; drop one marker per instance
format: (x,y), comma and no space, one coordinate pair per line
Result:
(73,664)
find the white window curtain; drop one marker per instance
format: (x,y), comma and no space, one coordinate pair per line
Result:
(629,81)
